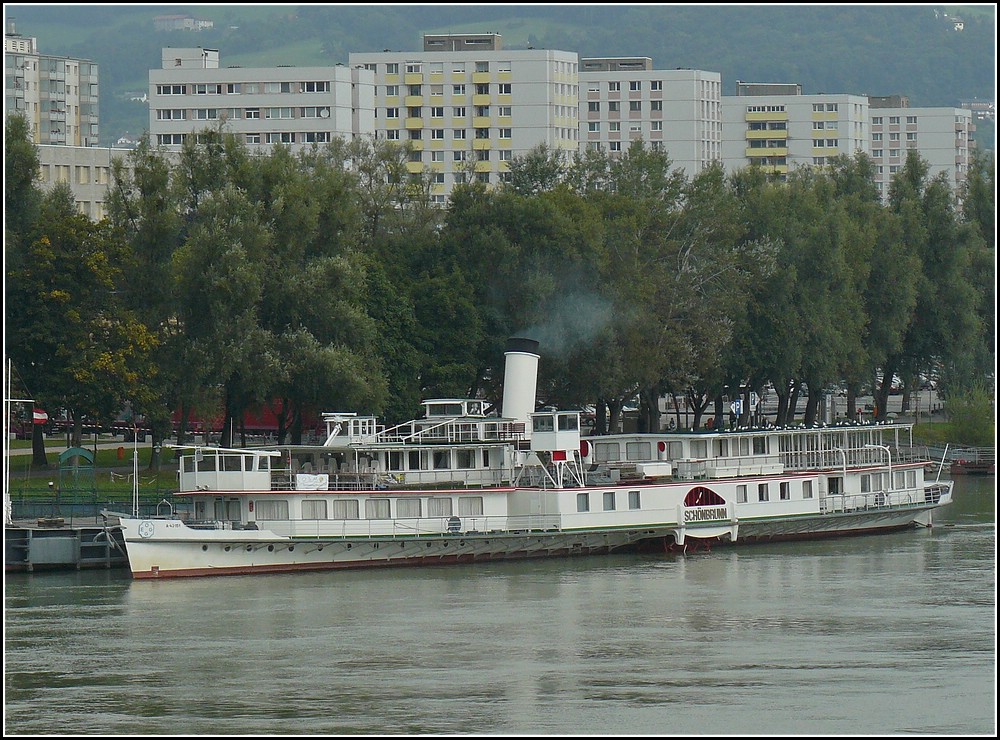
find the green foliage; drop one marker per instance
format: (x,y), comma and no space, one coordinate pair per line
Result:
(972,415)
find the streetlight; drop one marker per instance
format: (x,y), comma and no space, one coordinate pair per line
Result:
(888,453)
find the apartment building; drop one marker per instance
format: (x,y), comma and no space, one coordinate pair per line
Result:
(86,170)
(468,106)
(623,99)
(297,106)
(778,128)
(941,136)
(58,95)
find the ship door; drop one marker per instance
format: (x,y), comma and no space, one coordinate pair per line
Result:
(836,485)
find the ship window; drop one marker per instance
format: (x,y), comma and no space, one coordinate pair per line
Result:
(760,445)
(232,463)
(263,463)
(314,509)
(442,460)
(911,478)
(464,459)
(542,424)
(583,502)
(744,445)
(699,448)
(638,451)
(609,500)
(414,460)
(206,464)
(345,509)
(569,422)
(741,494)
(898,479)
(783,491)
(807,489)
(408,508)
(605,451)
(633,500)
(470,505)
(273,509)
(395,460)
(377,508)
(438,506)
(866,483)
(762,491)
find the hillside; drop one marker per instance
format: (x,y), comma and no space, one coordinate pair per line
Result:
(876,50)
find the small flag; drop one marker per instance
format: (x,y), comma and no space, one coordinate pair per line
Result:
(40,416)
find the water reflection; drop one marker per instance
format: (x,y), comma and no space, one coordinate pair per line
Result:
(884,634)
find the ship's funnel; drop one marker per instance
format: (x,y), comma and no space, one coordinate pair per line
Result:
(520,380)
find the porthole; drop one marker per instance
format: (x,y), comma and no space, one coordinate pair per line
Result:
(204,548)
(270,548)
(291,547)
(227,548)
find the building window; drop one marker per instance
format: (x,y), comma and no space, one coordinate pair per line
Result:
(594,126)
(614,87)
(392,135)
(503,88)
(458,133)
(635,106)
(437,111)
(414,90)
(656,106)
(391,90)
(252,113)
(437,133)
(594,107)
(505,133)
(482,133)
(392,112)
(635,85)
(504,110)
(614,106)
(413,67)
(458,89)
(656,125)
(315,87)
(392,68)
(482,66)
(656,85)
(506,155)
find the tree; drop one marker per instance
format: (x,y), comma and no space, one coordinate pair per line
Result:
(67,324)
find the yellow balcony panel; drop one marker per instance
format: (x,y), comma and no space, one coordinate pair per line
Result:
(767,116)
(506,99)
(459,122)
(437,76)
(482,121)
(825,151)
(483,167)
(391,101)
(417,144)
(413,78)
(392,79)
(414,123)
(754,135)
(437,144)
(481,100)
(505,76)
(458,77)
(481,77)
(414,167)
(481,144)
(507,121)
(753,152)
(413,100)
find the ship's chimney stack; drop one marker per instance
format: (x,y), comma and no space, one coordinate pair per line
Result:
(520,380)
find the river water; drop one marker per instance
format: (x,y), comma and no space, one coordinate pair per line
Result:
(864,635)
